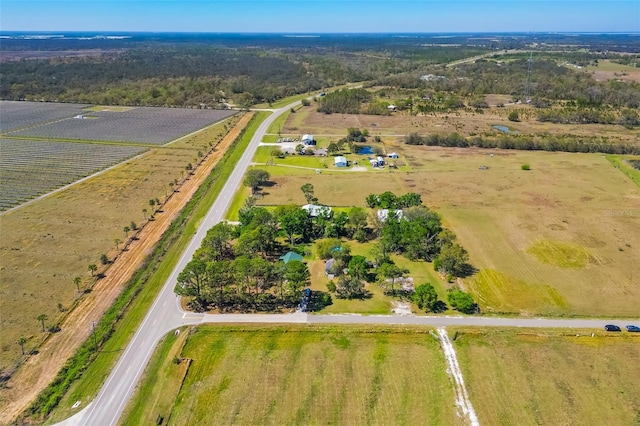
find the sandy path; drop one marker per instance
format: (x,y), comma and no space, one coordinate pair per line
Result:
(463,404)
(38,371)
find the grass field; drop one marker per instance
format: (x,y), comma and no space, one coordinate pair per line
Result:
(513,221)
(299,375)
(395,127)
(533,377)
(46,244)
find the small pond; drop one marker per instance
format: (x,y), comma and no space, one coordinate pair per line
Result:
(504,129)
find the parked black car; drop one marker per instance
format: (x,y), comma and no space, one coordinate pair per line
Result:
(611,327)
(633,329)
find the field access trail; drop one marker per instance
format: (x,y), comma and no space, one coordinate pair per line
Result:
(166,314)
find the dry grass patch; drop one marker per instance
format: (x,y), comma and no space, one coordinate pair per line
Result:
(533,377)
(399,124)
(46,244)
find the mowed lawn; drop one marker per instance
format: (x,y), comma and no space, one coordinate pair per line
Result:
(305,375)
(548,378)
(560,239)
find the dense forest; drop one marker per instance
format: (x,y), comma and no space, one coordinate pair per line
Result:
(209,70)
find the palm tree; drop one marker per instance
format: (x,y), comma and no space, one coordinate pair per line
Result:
(117,242)
(42,318)
(93,268)
(126,230)
(144,212)
(77,281)
(21,341)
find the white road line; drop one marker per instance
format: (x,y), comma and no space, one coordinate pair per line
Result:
(462,397)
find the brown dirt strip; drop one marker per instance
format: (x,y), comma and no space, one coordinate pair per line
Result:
(38,371)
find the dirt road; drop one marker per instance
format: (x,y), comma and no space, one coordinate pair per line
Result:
(39,370)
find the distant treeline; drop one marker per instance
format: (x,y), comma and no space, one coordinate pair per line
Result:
(525,143)
(570,115)
(189,76)
(549,82)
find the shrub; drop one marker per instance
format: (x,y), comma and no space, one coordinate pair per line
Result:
(525,167)
(461,301)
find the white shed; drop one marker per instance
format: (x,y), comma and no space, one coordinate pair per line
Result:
(308,139)
(340,161)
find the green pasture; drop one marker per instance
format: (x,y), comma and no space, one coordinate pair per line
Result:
(302,375)
(605,65)
(618,161)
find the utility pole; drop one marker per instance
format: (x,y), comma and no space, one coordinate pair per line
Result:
(527,96)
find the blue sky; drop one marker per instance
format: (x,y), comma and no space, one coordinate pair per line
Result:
(321,16)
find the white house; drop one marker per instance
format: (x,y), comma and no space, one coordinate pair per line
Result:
(340,161)
(315,211)
(380,161)
(383,214)
(308,140)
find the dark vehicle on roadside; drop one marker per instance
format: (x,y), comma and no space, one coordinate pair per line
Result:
(611,327)
(633,329)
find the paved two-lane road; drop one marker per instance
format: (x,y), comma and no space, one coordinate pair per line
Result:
(165,314)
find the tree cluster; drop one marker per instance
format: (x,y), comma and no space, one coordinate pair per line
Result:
(549,80)
(588,115)
(244,275)
(521,142)
(346,101)
(388,200)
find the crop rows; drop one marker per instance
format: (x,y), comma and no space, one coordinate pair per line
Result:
(31,168)
(16,114)
(138,125)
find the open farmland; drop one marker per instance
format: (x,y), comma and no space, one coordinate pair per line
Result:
(395,127)
(297,375)
(134,125)
(46,244)
(577,205)
(16,114)
(32,168)
(532,377)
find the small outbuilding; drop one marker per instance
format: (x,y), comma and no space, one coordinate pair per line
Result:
(315,211)
(328,266)
(292,255)
(392,155)
(383,214)
(340,161)
(308,140)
